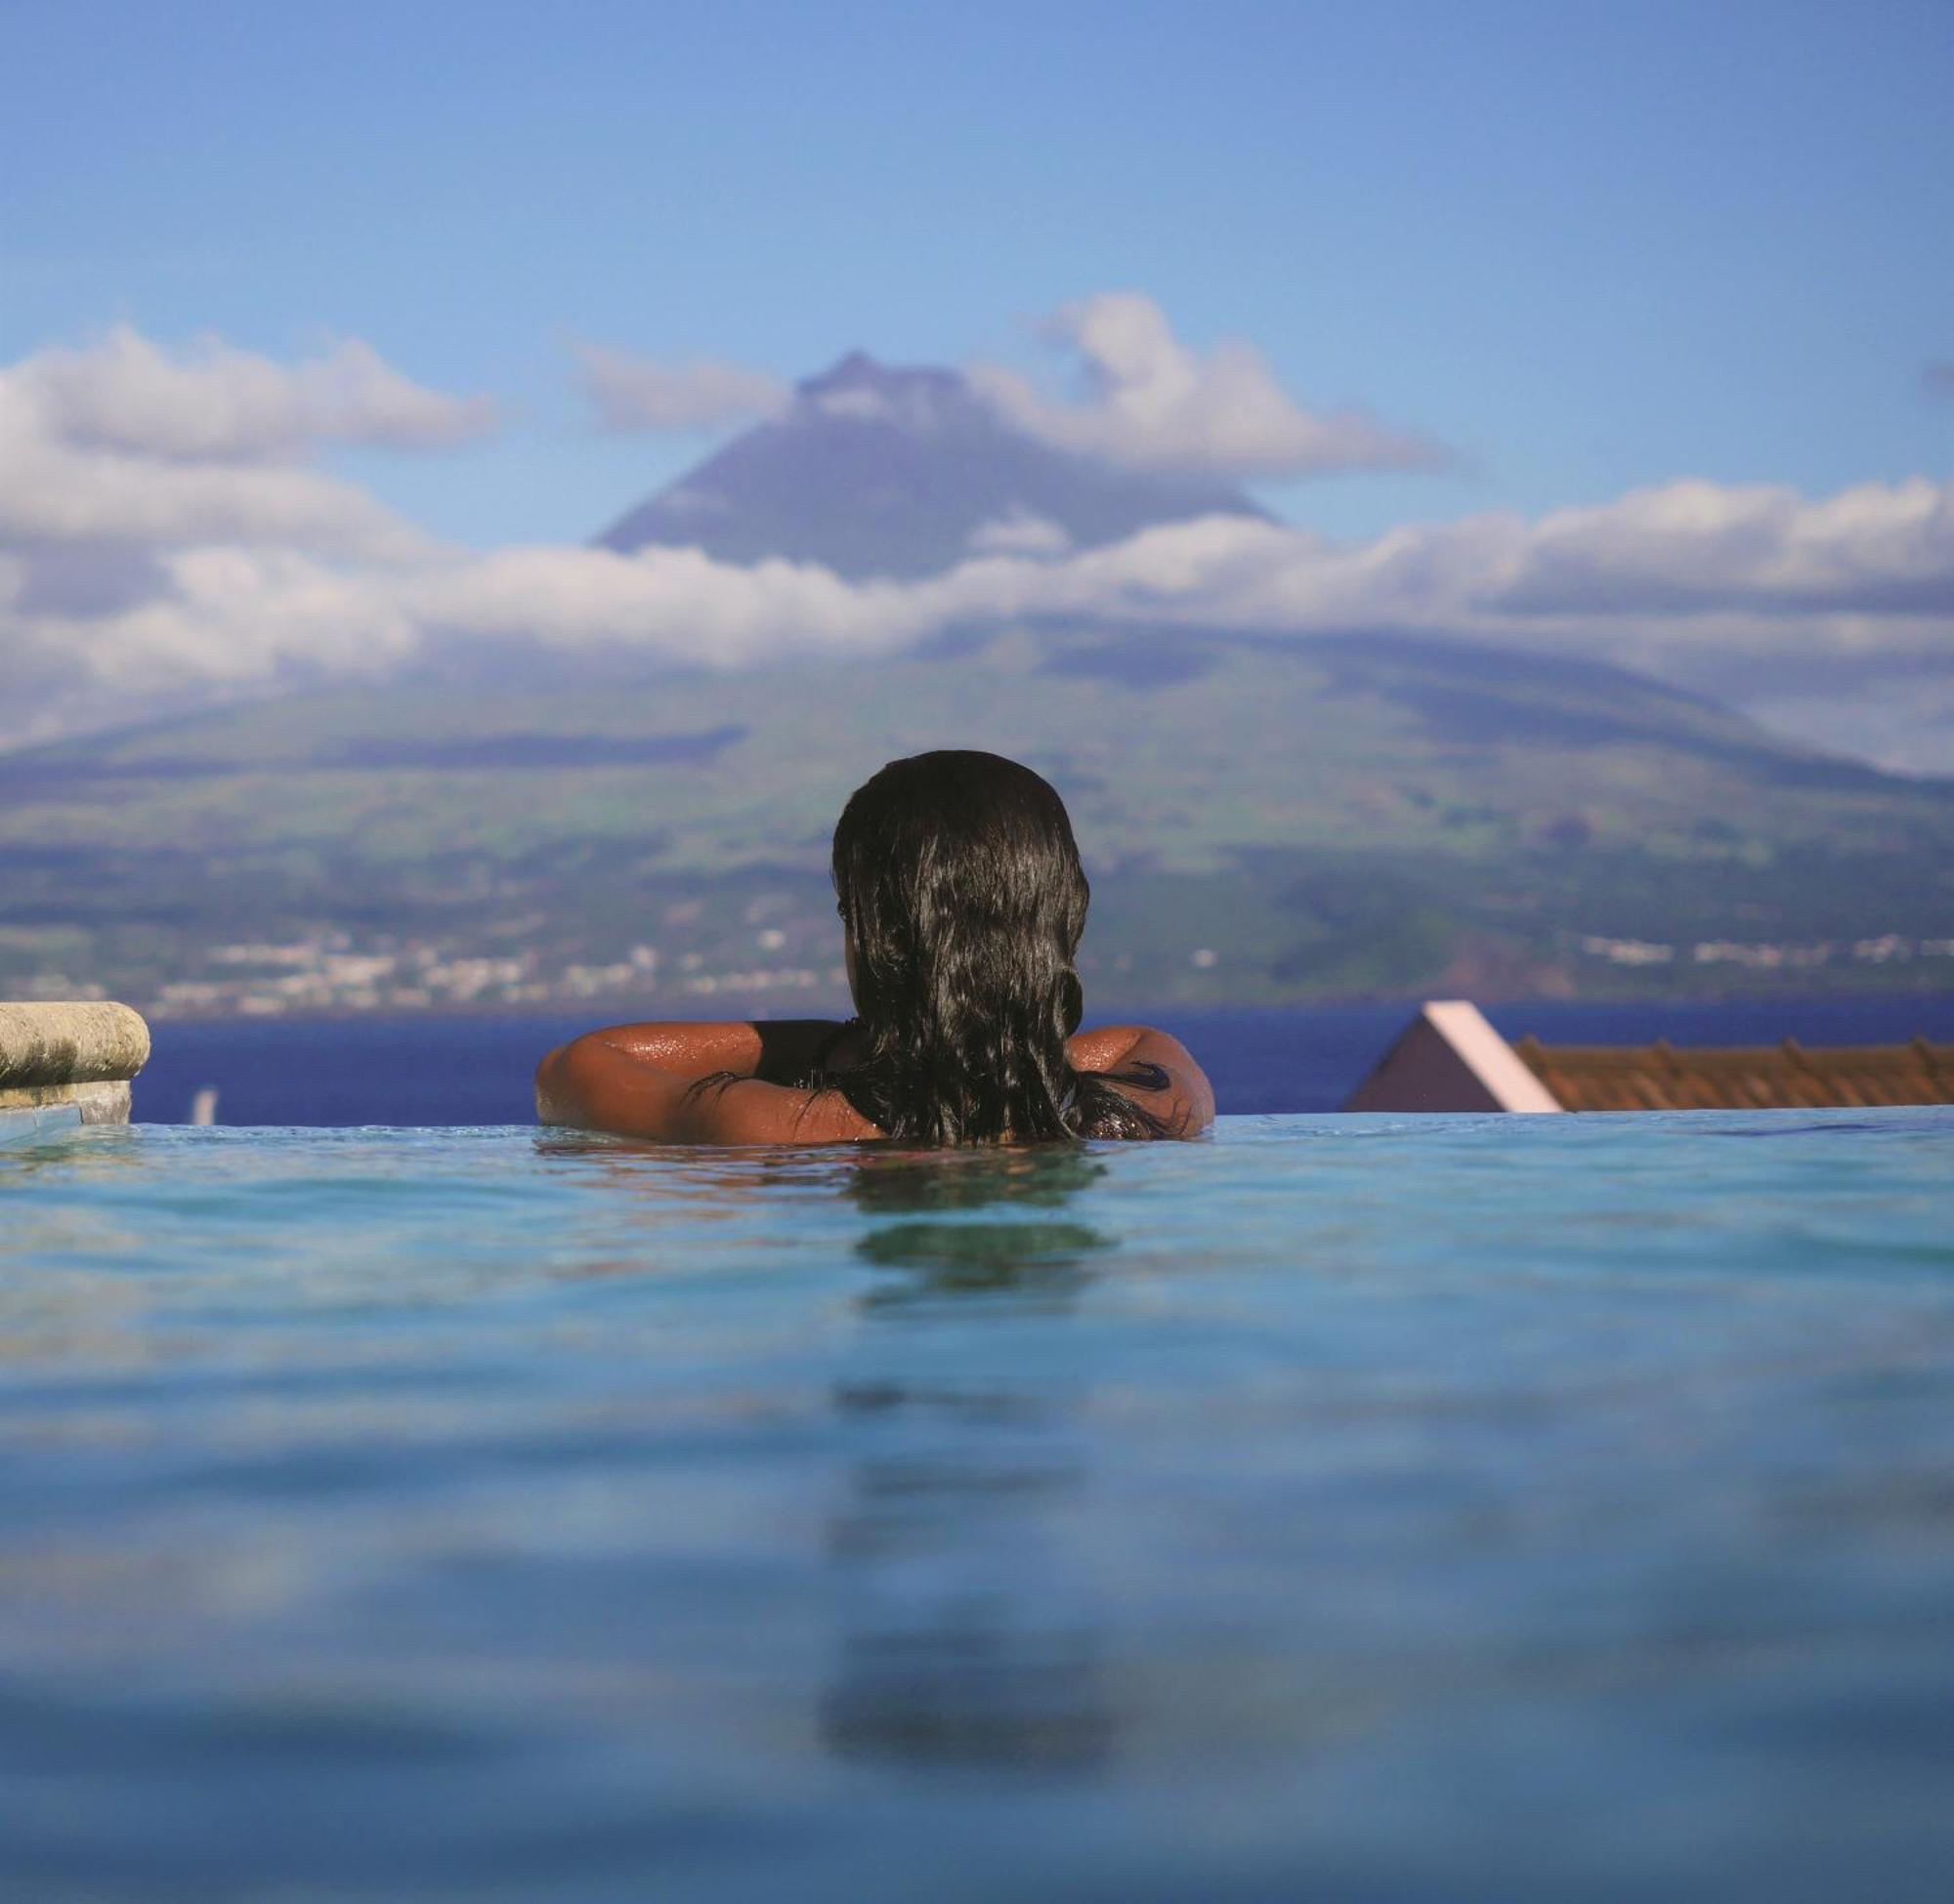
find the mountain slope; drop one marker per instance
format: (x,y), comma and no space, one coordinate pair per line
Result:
(513,823)
(903,472)
(1262,820)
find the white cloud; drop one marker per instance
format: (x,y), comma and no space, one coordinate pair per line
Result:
(1019,533)
(673,604)
(51,492)
(862,405)
(1696,545)
(1155,403)
(124,443)
(1751,576)
(248,618)
(211,401)
(636,392)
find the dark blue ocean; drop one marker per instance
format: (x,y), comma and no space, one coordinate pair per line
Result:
(476,1070)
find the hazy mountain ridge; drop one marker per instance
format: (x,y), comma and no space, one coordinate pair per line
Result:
(903,472)
(1263,820)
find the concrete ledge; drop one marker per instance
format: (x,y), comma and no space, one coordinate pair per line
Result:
(26,1125)
(101,1100)
(68,1062)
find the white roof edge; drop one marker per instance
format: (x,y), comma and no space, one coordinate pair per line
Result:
(1487,1055)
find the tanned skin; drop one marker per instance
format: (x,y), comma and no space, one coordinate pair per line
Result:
(632,1079)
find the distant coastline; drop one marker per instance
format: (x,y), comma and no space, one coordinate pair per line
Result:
(1345,818)
(331,976)
(1928,977)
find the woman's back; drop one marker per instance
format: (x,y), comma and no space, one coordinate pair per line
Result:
(962,902)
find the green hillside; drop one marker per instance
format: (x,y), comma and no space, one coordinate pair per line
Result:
(1262,821)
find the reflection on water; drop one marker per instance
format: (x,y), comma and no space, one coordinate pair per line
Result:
(1042,1175)
(962,1637)
(970,1686)
(87,1153)
(968,1256)
(1043,1260)
(965,1640)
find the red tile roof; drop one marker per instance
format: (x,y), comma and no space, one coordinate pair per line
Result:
(1660,1077)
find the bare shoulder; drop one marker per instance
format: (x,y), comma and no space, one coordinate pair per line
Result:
(1152,1068)
(613,1081)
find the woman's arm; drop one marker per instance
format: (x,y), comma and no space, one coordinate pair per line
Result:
(1186,1101)
(776,1050)
(635,1080)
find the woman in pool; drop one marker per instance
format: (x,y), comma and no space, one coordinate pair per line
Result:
(962,901)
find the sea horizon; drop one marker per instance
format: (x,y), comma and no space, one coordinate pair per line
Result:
(456,1067)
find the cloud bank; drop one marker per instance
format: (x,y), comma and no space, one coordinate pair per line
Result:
(211,402)
(123,442)
(143,566)
(638,393)
(1150,401)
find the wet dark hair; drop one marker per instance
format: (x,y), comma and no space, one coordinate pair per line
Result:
(960,885)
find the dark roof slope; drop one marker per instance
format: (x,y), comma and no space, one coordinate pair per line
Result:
(1776,1077)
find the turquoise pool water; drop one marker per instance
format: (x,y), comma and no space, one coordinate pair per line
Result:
(1443,1508)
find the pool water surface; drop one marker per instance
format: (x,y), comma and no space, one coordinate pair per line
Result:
(1355,1507)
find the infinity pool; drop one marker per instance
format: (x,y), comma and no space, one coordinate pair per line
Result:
(1345,1508)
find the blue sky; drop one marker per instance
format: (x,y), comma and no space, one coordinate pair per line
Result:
(1592,248)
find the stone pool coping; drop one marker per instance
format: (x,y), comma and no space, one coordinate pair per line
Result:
(66,1063)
